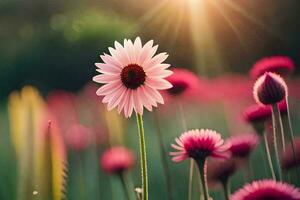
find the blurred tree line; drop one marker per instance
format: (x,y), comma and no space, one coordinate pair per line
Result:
(53,44)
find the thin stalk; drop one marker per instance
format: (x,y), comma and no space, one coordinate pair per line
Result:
(191,173)
(248,170)
(291,131)
(275,122)
(126,188)
(281,131)
(267,151)
(226,189)
(164,160)
(201,165)
(143,156)
(191,168)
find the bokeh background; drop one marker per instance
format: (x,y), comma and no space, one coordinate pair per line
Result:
(53,45)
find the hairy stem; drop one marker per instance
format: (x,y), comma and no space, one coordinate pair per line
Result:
(143,156)
(267,151)
(201,165)
(275,123)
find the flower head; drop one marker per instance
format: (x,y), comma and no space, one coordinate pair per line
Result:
(243,145)
(78,137)
(267,189)
(291,158)
(199,144)
(278,64)
(184,82)
(220,170)
(257,113)
(116,160)
(270,88)
(132,77)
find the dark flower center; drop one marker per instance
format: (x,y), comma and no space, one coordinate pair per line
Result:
(242,150)
(178,87)
(199,154)
(133,76)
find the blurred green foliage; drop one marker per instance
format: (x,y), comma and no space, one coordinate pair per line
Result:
(57,49)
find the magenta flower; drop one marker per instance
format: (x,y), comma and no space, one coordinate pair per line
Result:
(199,144)
(278,64)
(78,137)
(185,83)
(220,171)
(117,160)
(132,77)
(243,145)
(269,89)
(257,113)
(267,189)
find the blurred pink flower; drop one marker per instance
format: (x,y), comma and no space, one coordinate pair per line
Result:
(63,106)
(270,88)
(278,64)
(220,170)
(257,113)
(132,77)
(78,137)
(288,160)
(267,189)
(117,160)
(243,145)
(199,144)
(185,83)
(70,109)
(261,113)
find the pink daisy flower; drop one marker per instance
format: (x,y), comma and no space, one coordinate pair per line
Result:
(117,160)
(199,144)
(278,64)
(267,189)
(269,89)
(132,77)
(243,145)
(185,83)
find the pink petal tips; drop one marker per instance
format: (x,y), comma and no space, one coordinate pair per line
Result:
(185,83)
(267,189)
(278,64)
(243,145)
(199,144)
(132,77)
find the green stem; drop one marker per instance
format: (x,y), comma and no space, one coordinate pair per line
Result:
(164,159)
(226,188)
(291,133)
(201,165)
(267,151)
(126,188)
(281,131)
(191,169)
(191,173)
(143,156)
(275,123)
